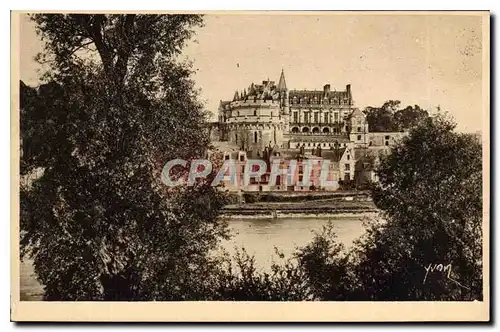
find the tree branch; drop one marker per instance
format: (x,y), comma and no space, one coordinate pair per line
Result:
(126,46)
(80,47)
(94,30)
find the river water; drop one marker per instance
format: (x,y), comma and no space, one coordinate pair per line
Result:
(258,236)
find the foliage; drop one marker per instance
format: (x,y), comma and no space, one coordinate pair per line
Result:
(95,217)
(324,262)
(389,117)
(100,225)
(430,197)
(241,280)
(430,192)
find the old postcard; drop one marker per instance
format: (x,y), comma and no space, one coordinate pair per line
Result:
(250,166)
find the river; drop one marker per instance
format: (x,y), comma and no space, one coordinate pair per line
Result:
(259,236)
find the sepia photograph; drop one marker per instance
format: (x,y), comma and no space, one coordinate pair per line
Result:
(275,165)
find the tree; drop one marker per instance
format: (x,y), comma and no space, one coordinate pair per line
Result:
(97,221)
(380,119)
(409,117)
(430,192)
(389,117)
(426,244)
(430,197)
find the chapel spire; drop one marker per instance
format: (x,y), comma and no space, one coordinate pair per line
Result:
(282,83)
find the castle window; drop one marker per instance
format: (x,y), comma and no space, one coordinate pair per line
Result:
(348,157)
(386,142)
(387,137)
(255,137)
(236,137)
(359,137)
(226,157)
(242,157)
(347,167)
(271,114)
(359,129)
(255,113)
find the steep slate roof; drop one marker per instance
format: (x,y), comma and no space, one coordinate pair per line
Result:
(236,95)
(333,155)
(319,94)
(357,112)
(282,83)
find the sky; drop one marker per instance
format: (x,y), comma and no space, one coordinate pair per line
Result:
(428,60)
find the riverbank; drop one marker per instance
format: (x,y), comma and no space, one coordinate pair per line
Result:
(278,205)
(298,215)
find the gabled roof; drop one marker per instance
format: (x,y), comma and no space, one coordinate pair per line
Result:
(333,155)
(357,112)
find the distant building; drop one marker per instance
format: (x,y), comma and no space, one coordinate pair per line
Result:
(267,120)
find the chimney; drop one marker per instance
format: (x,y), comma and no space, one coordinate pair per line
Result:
(348,91)
(326,88)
